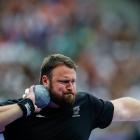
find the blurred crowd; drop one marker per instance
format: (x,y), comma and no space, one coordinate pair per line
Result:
(102,36)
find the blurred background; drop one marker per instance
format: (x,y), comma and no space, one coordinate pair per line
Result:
(102,36)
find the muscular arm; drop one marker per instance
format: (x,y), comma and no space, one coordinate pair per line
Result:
(126,109)
(8,114)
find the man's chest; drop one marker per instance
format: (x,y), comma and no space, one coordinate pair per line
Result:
(56,125)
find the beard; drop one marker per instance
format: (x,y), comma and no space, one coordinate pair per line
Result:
(66,99)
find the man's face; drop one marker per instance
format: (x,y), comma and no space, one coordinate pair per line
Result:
(62,85)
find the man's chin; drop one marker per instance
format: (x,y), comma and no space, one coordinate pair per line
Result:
(69,99)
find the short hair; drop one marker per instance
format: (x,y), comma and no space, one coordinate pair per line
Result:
(52,61)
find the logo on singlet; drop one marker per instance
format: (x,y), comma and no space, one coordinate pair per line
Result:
(40,116)
(76,111)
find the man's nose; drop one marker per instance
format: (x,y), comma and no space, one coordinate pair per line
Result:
(69,86)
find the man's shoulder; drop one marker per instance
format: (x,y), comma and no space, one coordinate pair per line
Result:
(83,94)
(87,97)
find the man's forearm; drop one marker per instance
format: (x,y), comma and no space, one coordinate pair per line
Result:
(5,107)
(126,109)
(8,114)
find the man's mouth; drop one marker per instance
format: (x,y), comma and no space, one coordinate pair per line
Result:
(69,93)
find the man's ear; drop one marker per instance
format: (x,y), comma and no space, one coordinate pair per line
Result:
(45,80)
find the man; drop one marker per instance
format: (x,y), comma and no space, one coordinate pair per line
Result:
(70,115)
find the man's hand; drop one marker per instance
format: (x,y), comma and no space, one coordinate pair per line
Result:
(29,93)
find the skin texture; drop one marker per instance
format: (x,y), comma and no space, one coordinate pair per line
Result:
(8,114)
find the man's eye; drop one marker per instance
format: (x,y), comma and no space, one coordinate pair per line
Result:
(73,81)
(64,81)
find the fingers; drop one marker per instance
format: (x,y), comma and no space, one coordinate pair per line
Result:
(37,109)
(25,93)
(29,93)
